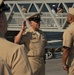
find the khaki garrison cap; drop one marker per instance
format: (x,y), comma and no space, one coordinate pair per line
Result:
(1,2)
(35,17)
(71,11)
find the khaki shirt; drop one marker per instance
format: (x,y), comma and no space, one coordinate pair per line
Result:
(68,37)
(34,41)
(15,57)
(4,68)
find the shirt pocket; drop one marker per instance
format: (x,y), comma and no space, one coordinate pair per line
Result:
(34,39)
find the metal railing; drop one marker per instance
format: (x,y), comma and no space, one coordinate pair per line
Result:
(49,20)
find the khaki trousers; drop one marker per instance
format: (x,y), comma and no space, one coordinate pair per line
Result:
(37,65)
(71,65)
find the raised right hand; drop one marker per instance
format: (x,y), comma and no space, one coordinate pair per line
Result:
(24,26)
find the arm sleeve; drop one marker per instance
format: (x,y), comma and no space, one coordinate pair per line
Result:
(67,39)
(20,63)
(44,37)
(23,38)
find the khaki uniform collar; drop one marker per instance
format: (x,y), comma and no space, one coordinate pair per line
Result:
(71,24)
(32,30)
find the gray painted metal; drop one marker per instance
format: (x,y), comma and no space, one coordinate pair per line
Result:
(50,21)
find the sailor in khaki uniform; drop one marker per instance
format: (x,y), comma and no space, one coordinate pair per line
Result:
(68,44)
(13,58)
(35,42)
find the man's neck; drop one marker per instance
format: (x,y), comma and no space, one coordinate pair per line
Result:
(35,29)
(71,22)
(1,35)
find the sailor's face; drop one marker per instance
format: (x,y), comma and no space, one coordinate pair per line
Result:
(35,24)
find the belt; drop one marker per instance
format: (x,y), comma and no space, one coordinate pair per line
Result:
(34,56)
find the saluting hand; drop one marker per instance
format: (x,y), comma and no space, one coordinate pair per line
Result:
(24,25)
